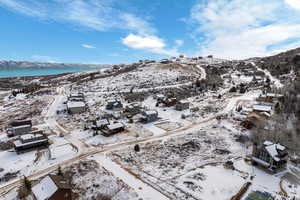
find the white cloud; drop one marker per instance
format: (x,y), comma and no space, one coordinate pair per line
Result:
(88,46)
(294,3)
(20,6)
(94,14)
(149,43)
(179,43)
(136,24)
(143,42)
(41,58)
(242,29)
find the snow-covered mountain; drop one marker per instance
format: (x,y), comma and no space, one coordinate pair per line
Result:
(27,64)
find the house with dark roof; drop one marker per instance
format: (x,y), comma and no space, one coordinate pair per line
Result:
(269,155)
(52,187)
(149,116)
(114,105)
(76,97)
(76,107)
(30,141)
(19,127)
(112,129)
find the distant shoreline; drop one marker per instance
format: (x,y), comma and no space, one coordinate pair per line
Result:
(41,72)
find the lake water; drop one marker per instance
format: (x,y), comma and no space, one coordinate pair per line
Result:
(4,73)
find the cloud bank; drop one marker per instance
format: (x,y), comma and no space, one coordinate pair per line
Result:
(241,29)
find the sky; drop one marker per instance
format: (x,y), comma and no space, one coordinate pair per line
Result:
(125,31)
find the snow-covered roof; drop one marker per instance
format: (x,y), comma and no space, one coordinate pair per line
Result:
(266,114)
(272,149)
(267,143)
(112,101)
(115,126)
(76,94)
(160,96)
(19,127)
(184,102)
(262,162)
(151,112)
(75,104)
(30,136)
(19,143)
(262,108)
(44,189)
(102,122)
(273,95)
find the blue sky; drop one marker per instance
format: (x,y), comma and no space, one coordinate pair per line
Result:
(124,31)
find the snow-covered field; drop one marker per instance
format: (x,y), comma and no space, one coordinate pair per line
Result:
(166,163)
(181,154)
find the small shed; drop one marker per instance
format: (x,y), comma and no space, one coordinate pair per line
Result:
(269,155)
(52,187)
(182,105)
(76,107)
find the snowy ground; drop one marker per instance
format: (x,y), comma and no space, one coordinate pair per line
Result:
(163,163)
(31,162)
(90,181)
(179,158)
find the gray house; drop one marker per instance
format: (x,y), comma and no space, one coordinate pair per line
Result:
(30,141)
(269,155)
(76,97)
(16,128)
(113,129)
(100,124)
(114,104)
(149,116)
(76,107)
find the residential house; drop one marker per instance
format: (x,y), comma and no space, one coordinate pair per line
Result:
(262,108)
(16,128)
(270,97)
(133,109)
(164,61)
(269,155)
(52,187)
(114,104)
(76,97)
(76,107)
(149,116)
(113,129)
(31,140)
(166,101)
(100,124)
